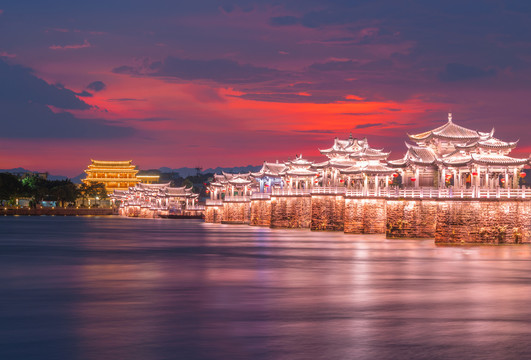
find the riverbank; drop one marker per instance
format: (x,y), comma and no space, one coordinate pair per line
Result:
(56,211)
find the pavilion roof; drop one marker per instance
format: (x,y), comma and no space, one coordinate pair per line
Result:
(449,131)
(420,155)
(153,186)
(489,143)
(239,181)
(497,159)
(346,146)
(298,161)
(301,172)
(182,190)
(269,169)
(457,158)
(375,169)
(107,163)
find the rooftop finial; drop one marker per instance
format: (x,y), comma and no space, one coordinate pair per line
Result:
(350,136)
(449,117)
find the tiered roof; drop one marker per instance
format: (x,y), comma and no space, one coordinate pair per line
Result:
(369,168)
(231,179)
(448,131)
(471,147)
(299,167)
(346,147)
(269,170)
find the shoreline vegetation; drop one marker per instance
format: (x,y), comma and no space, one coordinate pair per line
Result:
(55,211)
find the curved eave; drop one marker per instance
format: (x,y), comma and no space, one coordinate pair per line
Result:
(456,163)
(498,147)
(422,163)
(456,138)
(514,162)
(420,137)
(369,157)
(303,174)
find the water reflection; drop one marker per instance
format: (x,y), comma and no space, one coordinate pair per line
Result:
(112,288)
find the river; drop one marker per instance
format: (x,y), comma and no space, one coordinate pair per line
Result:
(121,288)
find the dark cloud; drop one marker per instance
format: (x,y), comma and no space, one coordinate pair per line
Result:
(460,72)
(335,65)
(364,126)
(284,20)
(218,70)
(294,98)
(35,120)
(19,85)
(84,94)
(96,86)
(125,99)
(25,101)
(124,69)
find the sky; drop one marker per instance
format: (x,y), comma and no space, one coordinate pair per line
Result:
(232,83)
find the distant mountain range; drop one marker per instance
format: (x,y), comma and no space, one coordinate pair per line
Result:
(20,170)
(183,172)
(186,171)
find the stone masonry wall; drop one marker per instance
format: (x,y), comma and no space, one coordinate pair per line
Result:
(213,214)
(261,212)
(236,213)
(290,211)
(411,218)
(365,216)
(328,213)
(484,221)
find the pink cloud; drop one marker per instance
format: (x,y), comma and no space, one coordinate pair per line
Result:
(85,44)
(1,11)
(6,54)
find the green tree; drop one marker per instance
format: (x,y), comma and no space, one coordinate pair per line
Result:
(10,187)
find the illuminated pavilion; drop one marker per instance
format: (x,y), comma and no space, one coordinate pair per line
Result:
(452,155)
(115,175)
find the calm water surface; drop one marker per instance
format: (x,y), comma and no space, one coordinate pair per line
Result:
(115,288)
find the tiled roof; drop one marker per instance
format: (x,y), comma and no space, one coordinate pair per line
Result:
(448,131)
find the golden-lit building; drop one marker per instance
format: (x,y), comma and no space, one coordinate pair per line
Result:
(115,175)
(148,179)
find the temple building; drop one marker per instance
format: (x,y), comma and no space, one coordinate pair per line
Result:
(115,175)
(299,174)
(354,164)
(226,184)
(452,155)
(152,200)
(269,176)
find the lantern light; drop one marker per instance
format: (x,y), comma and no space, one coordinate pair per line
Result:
(413,179)
(502,180)
(474,174)
(522,175)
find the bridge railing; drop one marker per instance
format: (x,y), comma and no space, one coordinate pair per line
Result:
(290,192)
(196,208)
(441,193)
(258,196)
(237,198)
(214,202)
(330,190)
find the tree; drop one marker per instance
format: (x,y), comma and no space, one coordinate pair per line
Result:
(10,187)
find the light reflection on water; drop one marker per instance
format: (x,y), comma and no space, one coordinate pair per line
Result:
(114,288)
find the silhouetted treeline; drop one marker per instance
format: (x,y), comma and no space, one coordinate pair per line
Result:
(39,189)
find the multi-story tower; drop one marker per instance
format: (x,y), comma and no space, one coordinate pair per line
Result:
(115,175)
